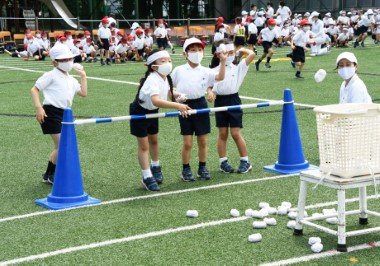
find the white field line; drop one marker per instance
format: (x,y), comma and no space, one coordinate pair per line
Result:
(322,255)
(122,240)
(261,99)
(148,196)
(176,230)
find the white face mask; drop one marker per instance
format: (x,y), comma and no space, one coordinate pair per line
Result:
(271,27)
(346,72)
(69,37)
(38,35)
(161,25)
(165,68)
(78,45)
(229,60)
(195,57)
(66,66)
(305,29)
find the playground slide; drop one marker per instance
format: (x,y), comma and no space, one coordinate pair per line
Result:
(59,8)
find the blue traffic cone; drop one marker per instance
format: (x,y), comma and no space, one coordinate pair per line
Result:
(290,158)
(67,189)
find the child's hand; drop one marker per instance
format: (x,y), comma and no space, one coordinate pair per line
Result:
(223,57)
(40,115)
(211,96)
(81,73)
(181,98)
(183,109)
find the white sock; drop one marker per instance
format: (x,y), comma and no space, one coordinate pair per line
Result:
(146,173)
(222,159)
(155,163)
(245,158)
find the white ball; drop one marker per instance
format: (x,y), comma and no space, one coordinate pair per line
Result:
(192,213)
(286,204)
(292,215)
(263,205)
(281,210)
(320,75)
(234,213)
(249,212)
(329,211)
(264,212)
(291,224)
(255,238)
(270,221)
(78,66)
(259,225)
(317,215)
(257,214)
(317,247)
(313,240)
(332,220)
(271,210)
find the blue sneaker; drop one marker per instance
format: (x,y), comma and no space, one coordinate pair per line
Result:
(187,175)
(225,167)
(150,184)
(244,167)
(203,173)
(157,174)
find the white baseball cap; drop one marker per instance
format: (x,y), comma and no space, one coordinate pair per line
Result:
(191,41)
(60,51)
(328,14)
(306,14)
(369,12)
(135,25)
(314,14)
(243,13)
(347,55)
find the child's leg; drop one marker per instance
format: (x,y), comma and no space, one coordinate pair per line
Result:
(153,147)
(50,170)
(186,148)
(54,154)
(222,142)
(239,141)
(143,153)
(202,147)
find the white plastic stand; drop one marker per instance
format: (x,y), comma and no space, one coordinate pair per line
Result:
(340,184)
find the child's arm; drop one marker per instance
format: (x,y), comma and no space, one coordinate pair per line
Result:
(40,112)
(222,70)
(83,82)
(210,95)
(250,55)
(158,102)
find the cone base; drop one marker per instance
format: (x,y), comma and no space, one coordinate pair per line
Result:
(65,205)
(290,169)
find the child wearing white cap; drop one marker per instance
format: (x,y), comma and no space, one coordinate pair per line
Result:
(193,80)
(154,90)
(226,92)
(353,89)
(58,88)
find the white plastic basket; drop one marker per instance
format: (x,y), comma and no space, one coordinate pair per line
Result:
(349,139)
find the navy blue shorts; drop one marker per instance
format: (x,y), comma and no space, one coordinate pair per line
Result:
(198,124)
(105,45)
(53,122)
(298,54)
(142,128)
(162,43)
(252,39)
(228,118)
(267,46)
(239,40)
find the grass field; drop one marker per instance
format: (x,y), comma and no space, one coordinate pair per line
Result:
(134,226)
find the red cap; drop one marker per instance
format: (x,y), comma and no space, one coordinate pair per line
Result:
(139,32)
(271,22)
(105,20)
(220,19)
(62,38)
(249,19)
(130,37)
(304,22)
(219,25)
(119,33)
(86,32)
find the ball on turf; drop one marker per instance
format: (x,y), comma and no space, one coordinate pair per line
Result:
(192,213)
(320,75)
(317,247)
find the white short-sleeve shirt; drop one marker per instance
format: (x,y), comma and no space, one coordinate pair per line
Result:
(301,38)
(153,85)
(233,78)
(354,92)
(160,32)
(252,29)
(193,81)
(268,35)
(58,89)
(104,33)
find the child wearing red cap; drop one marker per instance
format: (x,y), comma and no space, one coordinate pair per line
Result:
(104,34)
(89,50)
(268,36)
